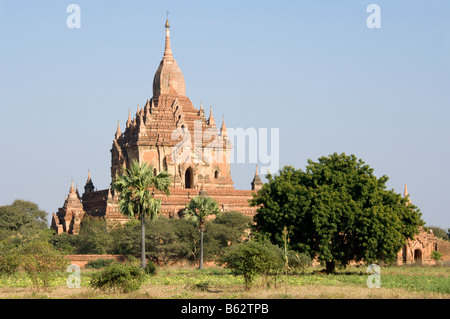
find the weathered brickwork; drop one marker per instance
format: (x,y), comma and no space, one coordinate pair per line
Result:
(148,137)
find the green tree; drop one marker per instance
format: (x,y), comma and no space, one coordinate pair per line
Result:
(188,237)
(21,217)
(93,237)
(198,209)
(165,238)
(336,210)
(227,229)
(65,243)
(162,240)
(126,239)
(136,198)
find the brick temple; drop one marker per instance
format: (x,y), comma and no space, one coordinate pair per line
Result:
(149,137)
(154,135)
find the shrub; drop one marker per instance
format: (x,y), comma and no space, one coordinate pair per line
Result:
(251,259)
(150,269)
(9,264)
(118,277)
(298,262)
(99,263)
(9,259)
(41,262)
(436,255)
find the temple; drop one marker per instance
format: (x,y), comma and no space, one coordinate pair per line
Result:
(170,134)
(420,249)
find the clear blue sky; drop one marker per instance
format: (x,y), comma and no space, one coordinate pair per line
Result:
(313,69)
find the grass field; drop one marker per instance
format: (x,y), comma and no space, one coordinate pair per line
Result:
(218,283)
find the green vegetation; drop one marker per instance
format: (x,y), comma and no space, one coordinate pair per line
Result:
(165,239)
(436,255)
(136,196)
(198,209)
(25,245)
(253,258)
(336,210)
(439,232)
(21,217)
(150,269)
(99,263)
(118,278)
(188,282)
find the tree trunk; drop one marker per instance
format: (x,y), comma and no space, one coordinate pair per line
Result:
(143,260)
(201,250)
(330,266)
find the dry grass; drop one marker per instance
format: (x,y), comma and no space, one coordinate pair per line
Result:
(226,292)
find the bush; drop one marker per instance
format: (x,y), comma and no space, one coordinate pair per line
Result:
(436,255)
(297,262)
(41,262)
(99,263)
(9,258)
(9,264)
(118,277)
(251,259)
(150,269)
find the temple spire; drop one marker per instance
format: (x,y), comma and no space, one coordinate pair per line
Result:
(211,121)
(168,50)
(257,182)
(405,193)
(118,132)
(129,118)
(223,129)
(89,187)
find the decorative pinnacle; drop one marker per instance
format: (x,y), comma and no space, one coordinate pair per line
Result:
(167,20)
(223,129)
(211,120)
(167,50)
(89,180)
(129,118)
(118,132)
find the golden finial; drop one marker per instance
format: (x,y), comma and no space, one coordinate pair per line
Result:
(167,20)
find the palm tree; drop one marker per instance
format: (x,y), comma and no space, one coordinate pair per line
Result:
(136,197)
(198,209)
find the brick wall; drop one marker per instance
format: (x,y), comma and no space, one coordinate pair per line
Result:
(443,246)
(82,260)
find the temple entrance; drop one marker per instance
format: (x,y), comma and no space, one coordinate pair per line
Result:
(189,178)
(418,256)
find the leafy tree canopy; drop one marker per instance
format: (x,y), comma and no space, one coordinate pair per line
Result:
(336,210)
(21,217)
